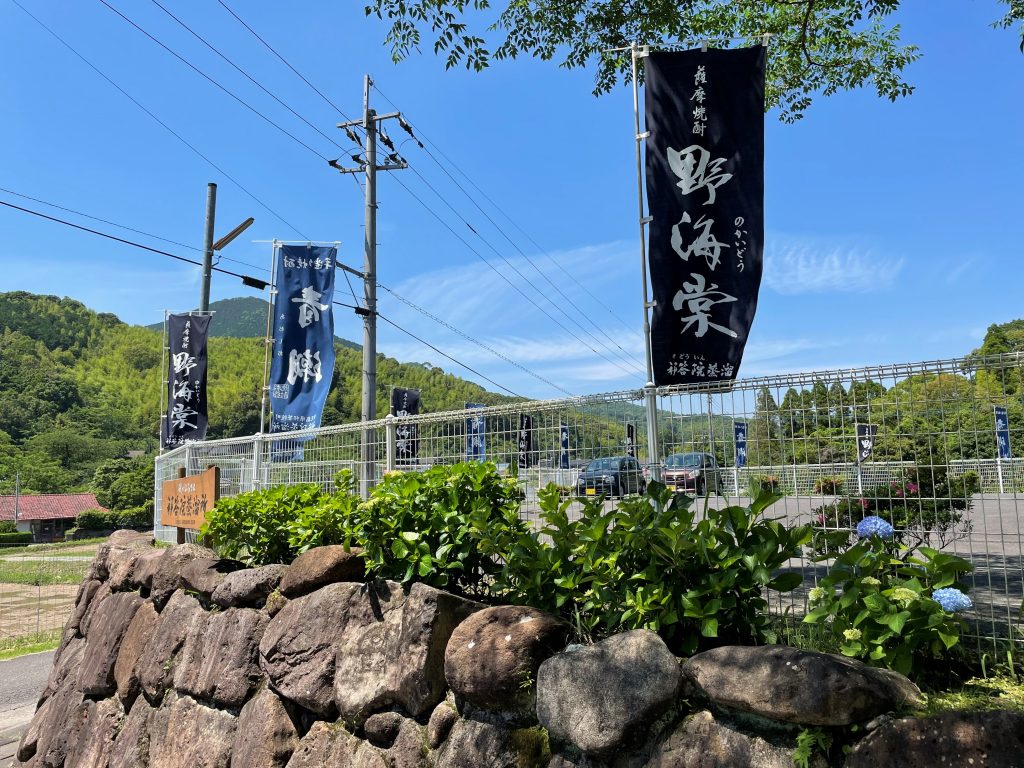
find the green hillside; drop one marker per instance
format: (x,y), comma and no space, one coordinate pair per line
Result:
(78,388)
(244,317)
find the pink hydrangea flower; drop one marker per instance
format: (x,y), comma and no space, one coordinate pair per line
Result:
(911,488)
(864,503)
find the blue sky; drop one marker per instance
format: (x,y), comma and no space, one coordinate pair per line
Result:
(893,229)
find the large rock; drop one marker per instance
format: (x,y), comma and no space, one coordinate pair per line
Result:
(220,658)
(440,724)
(409,749)
(266,736)
(331,745)
(101,594)
(65,667)
(115,548)
(700,742)
(131,747)
(594,696)
(155,668)
(353,649)
(186,734)
(794,686)
(120,566)
(248,588)
(473,743)
(107,628)
(981,739)
(56,728)
(492,657)
(135,640)
(167,576)
(146,566)
(96,741)
(321,566)
(204,574)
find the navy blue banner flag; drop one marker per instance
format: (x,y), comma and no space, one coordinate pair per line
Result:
(476,441)
(406,402)
(740,437)
(186,417)
(303,363)
(563,446)
(865,441)
(631,440)
(1003,433)
(525,442)
(704,112)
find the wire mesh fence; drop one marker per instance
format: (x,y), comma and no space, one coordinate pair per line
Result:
(933,465)
(37,591)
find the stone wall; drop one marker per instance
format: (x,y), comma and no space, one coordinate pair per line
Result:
(174,658)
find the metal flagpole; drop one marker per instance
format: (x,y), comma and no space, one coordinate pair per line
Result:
(163,387)
(269,340)
(650,396)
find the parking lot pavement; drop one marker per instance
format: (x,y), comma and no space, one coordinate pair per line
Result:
(21,681)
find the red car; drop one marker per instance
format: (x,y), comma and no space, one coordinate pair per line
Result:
(695,473)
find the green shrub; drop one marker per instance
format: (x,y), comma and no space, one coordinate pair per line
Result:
(256,527)
(95,520)
(876,604)
(829,485)
(926,506)
(652,563)
(766,483)
(15,538)
(8,526)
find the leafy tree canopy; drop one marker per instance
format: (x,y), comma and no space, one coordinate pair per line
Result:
(818,46)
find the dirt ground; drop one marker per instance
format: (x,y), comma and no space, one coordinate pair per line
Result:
(28,609)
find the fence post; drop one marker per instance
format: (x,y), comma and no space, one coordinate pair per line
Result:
(796,485)
(257,456)
(391,435)
(653,449)
(999,472)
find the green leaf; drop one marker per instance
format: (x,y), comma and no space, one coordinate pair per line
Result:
(786,582)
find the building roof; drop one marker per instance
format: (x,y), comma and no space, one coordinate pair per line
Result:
(48,506)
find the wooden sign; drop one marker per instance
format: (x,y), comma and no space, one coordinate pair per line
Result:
(186,501)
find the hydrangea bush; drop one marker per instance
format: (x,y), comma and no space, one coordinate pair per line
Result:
(888,607)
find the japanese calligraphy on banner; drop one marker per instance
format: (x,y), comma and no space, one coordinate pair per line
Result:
(563,446)
(1003,433)
(476,442)
(631,440)
(705,195)
(186,418)
(406,402)
(866,434)
(740,438)
(300,374)
(525,442)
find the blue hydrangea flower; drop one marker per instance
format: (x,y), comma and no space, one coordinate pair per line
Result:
(952,600)
(874,526)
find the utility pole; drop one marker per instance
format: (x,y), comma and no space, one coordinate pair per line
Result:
(371,125)
(211,212)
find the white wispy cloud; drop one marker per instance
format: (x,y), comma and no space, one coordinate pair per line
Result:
(795,265)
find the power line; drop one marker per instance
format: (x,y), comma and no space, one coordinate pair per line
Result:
(247,279)
(445,354)
(469,338)
(160,122)
(226,90)
(270,48)
(515,269)
(504,277)
(506,216)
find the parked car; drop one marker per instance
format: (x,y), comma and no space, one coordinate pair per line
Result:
(696,473)
(611,476)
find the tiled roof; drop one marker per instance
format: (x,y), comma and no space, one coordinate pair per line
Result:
(49,506)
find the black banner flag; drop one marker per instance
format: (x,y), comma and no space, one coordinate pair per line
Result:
(705,196)
(186,419)
(525,441)
(631,440)
(865,441)
(406,402)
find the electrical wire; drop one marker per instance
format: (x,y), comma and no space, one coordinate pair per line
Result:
(445,354)
(161,123)
(508,218)
(470,339)
(502,275)
(132,243)
(214,82)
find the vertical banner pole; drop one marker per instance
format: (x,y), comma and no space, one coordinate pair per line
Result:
(650,398)
(163,386)
(269,340)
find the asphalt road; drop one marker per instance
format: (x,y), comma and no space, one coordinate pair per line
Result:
(21,681)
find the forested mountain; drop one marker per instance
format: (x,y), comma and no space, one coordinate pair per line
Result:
(244,317)
(78,388)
